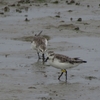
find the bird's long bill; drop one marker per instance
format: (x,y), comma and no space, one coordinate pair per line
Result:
(43,57)
(46,59)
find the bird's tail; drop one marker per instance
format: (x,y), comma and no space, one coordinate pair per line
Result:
(77,60)
(84,61)
(80,61)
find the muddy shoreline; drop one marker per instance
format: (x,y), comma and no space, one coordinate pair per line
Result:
(22,76)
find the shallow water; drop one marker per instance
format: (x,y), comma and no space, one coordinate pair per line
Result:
(90,53)
(23,77)
(27,76)
(11,45)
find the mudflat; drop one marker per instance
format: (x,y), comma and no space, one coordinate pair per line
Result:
(73,29)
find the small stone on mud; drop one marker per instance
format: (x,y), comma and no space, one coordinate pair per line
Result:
(2,13)
(18,83)
(26,19)
(90,77)
(72,75)
(54,91)
(12,5)
(50,98)
(58,72)
(62,21)
(27,1)
(45,75)
(57,16)
(79,19)
(6,9)
(17,10)
(55,2)
(71,19)
(77,3)
(31,87)
(88,5)
(26,15)
(77,28)
(96,70)
(6,55)
(18,4)
(45,4)
(70,10)
(66,1)
(21,1)
(71,2)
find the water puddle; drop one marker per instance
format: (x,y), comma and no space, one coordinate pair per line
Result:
(11,45)
(48,74)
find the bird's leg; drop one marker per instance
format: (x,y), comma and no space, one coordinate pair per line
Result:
(63,71)
(60,76)
(38,56)
(66,75)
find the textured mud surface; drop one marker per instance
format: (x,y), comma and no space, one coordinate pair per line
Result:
(73,30)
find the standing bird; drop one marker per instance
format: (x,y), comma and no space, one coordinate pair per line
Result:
(62,62)
(39,43)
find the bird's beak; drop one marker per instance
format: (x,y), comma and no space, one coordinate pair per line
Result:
(43,58)
(46,59)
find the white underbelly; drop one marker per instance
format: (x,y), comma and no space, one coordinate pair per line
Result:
(60,65)
(33,45)
(46,42)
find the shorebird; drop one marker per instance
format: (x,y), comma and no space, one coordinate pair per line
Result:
(62,62)
(39,44)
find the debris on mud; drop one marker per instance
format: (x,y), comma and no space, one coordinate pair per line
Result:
(88,5)
(18,10)
(90,77)
(6,9)
(58,16)
(26,19)
(2,13)
(56,2)
(70,10)
(77,3)
(79,19)
(24,1)
(67,26)
(71,19)
(70,2)
(31,87)
(76,28)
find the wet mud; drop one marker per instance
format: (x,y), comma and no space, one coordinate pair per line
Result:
(72,28)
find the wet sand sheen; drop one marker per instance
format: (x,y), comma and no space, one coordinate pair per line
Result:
(22,77)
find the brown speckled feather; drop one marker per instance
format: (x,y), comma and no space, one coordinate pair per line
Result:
(63,59)
(39,40)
